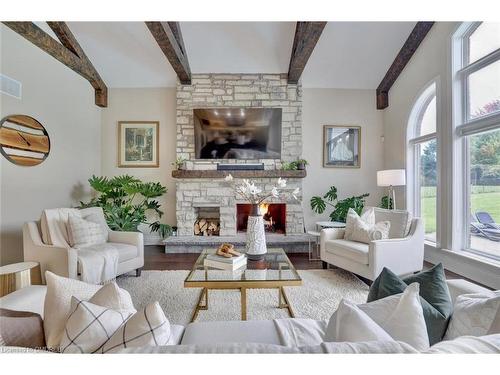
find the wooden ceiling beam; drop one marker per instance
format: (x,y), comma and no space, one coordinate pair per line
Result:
(67,52)
(169,38)
(411,44)
(306,36)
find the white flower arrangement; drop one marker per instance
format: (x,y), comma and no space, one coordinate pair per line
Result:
(255,195)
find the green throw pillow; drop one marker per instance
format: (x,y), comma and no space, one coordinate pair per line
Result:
(434,296)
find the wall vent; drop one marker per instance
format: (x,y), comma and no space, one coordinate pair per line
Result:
(10,86)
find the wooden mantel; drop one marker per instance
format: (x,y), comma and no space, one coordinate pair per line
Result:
(274,173)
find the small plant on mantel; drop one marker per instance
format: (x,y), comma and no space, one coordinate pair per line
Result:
(340,208)
(180,163)
(299,164)
(126,202)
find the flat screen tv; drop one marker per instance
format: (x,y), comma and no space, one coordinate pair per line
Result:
(237,133)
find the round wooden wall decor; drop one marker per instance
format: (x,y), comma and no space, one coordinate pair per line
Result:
(23,140)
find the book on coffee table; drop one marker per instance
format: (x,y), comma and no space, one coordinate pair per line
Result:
(223,263)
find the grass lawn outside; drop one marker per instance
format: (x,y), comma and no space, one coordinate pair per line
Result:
(483,198)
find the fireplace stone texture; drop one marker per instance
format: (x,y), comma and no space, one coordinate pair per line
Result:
(236,90)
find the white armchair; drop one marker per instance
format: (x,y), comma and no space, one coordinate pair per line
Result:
(401,255)
(62,259)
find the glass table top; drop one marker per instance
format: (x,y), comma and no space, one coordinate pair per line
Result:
(274,267)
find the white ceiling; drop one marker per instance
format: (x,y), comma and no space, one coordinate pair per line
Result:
(348,54)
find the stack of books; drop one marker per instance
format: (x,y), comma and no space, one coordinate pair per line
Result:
(223,263)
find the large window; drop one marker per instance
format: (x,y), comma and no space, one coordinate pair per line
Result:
(422,189)
(477,120)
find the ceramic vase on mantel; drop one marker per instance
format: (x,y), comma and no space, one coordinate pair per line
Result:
(256,238)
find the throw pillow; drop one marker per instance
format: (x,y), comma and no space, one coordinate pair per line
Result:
(89,326)
(474,315)
(22,329)
(368,217)
(58,303)
(353,325)
(435,297)
(149,327)
(83,233)
(400,316)
(365,233)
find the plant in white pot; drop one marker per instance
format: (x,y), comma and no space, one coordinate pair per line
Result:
(255,195)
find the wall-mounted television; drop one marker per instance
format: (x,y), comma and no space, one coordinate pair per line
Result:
(237,133)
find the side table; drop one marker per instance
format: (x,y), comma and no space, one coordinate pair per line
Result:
(18,275)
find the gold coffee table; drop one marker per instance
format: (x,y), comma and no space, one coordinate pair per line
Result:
(275,271)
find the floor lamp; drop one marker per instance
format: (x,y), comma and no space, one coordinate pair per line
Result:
(390,178)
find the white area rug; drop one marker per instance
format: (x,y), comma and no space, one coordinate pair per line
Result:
(317,298)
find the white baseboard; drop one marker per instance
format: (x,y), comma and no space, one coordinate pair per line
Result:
(468,265)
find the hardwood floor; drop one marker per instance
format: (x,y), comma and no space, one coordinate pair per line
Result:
(156,259)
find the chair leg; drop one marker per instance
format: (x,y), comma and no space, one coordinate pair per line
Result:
(138,272)
(324,264)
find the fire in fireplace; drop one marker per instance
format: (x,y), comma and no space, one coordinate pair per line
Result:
(274,215)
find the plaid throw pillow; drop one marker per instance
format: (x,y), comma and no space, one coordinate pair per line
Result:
(89,327)
(149,327)
(84,233)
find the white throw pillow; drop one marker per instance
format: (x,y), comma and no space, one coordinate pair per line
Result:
(84,233)
(58,303)
(400,316)
(148,327)
(360,230)
(367,217)
(89,327)
(353,325)
(475,315)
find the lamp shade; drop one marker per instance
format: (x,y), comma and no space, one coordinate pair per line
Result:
(391,177)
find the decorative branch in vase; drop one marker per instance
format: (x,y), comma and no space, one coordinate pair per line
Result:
(250,192)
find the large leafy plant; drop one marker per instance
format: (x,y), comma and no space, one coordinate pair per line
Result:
(126,202)
(340,207)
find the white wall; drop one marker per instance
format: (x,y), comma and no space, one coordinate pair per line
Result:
(143,105)
(340,107)
(64,103)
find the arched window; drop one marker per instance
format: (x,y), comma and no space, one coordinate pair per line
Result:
(422,172)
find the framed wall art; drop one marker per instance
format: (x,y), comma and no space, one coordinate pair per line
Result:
(138,144)
(341,146)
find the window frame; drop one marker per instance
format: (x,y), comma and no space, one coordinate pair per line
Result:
(464,127)
(413,200)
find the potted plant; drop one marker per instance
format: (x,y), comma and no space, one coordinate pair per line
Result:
(180,163)
(301,164)
(340,207)
(127,202)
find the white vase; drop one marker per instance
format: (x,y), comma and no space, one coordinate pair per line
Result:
(256,238)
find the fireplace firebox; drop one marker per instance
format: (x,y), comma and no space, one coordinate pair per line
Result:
(274,215)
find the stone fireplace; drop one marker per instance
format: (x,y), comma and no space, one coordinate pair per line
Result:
(203,186)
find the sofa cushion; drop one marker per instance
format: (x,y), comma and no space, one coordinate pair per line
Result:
(474,315)
(125,251)
(149,327)
(400,221)
(435,297)
(355,251)
(84,233)
(89,327)
(254,331)
(53,224)
(21,328)
(399,316)
(96,215)
(58,303)
(352,219)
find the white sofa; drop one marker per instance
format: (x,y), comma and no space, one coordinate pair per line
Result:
(61,259)
(403,252)
(267,336)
